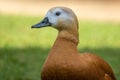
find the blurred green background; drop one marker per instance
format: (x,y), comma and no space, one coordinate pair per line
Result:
(23,50)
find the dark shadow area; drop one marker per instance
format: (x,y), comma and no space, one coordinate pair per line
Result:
(26,63)
(21,64)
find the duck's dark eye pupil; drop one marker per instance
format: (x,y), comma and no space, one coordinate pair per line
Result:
(57,13)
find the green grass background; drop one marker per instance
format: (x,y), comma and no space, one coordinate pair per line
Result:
(23,50)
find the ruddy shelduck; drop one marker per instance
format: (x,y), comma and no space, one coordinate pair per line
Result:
(64,61)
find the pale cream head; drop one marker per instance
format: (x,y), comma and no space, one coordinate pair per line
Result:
(59,17)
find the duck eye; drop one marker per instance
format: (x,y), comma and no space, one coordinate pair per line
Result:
(57,13)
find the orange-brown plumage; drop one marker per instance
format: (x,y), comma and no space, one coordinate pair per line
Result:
(64,62)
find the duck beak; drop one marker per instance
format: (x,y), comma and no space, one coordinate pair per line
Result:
(44,23)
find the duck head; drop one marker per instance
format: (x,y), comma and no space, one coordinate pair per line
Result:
(60,18)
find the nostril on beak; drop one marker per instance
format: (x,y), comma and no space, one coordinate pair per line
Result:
(43,22)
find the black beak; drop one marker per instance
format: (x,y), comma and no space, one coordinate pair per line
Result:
(44,23)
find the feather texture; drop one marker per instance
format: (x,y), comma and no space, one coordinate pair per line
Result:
(64,62)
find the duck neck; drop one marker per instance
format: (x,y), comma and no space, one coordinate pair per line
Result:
(69,36)
(65,43)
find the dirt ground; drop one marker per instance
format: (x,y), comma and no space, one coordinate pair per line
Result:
(93,10)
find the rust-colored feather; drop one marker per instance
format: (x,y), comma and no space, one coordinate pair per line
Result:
(64,62)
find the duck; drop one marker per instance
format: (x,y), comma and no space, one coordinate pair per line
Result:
(64,62)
